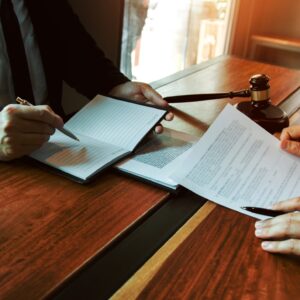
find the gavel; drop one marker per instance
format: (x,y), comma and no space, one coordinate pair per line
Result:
(259,109)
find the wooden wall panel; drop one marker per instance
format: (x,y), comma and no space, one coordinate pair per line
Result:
(268,17)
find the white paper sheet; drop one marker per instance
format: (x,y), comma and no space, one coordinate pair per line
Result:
(237,163)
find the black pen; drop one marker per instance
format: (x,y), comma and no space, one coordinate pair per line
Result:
(264,211)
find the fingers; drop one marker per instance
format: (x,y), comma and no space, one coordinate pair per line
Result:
(283,232)
(284,226)
(290,133)
(19,139)
(10,151)
(41,113)
(26,126)
(13,147)
(291,246)
(153,96)
(159,129)
(288,205)
(140,92)
(292,147)
(24,129)
(169,116)
(149,95)
(290,140)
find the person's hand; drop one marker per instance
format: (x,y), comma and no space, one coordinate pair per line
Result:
(282,233)
(290,139)
(24,129)
(141,92)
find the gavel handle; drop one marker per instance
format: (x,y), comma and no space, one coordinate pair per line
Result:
(203,97)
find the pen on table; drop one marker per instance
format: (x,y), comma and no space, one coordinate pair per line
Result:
(63,130)
(264,211)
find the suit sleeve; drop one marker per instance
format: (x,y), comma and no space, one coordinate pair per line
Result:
(85,66)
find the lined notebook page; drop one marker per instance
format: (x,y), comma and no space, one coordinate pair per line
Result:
(80,159)
(113,121)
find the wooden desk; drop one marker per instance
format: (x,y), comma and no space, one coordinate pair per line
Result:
(51,227)
(215,255)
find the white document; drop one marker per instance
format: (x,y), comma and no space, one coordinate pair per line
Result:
(156,160)
(108,130)
(237,163)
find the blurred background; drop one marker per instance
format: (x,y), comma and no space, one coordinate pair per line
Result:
(161,37)
(151,39)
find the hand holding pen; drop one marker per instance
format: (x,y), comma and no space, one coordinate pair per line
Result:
(63,130)
(281,233)
(24,129)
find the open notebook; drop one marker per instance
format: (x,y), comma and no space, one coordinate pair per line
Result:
(108,130)
(156,160)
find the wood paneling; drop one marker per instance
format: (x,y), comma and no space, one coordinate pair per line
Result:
(269,17)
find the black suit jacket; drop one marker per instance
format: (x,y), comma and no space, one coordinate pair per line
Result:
(69,53)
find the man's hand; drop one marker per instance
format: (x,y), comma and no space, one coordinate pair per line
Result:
(290,139)
(24,129)
(282,232)
(141,92)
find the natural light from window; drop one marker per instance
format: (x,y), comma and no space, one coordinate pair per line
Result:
(162,37)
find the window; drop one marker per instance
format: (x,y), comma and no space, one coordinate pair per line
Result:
(161,37)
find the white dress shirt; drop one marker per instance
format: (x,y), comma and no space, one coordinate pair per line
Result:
(36,71)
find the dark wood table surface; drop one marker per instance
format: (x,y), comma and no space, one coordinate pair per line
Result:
(51,227)
(215,255)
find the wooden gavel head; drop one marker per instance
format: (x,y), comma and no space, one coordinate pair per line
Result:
(259,87)
(260,109)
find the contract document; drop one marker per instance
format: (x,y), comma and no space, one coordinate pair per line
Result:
(237,163)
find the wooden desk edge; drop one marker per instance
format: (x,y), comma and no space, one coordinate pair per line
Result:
(135,285)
